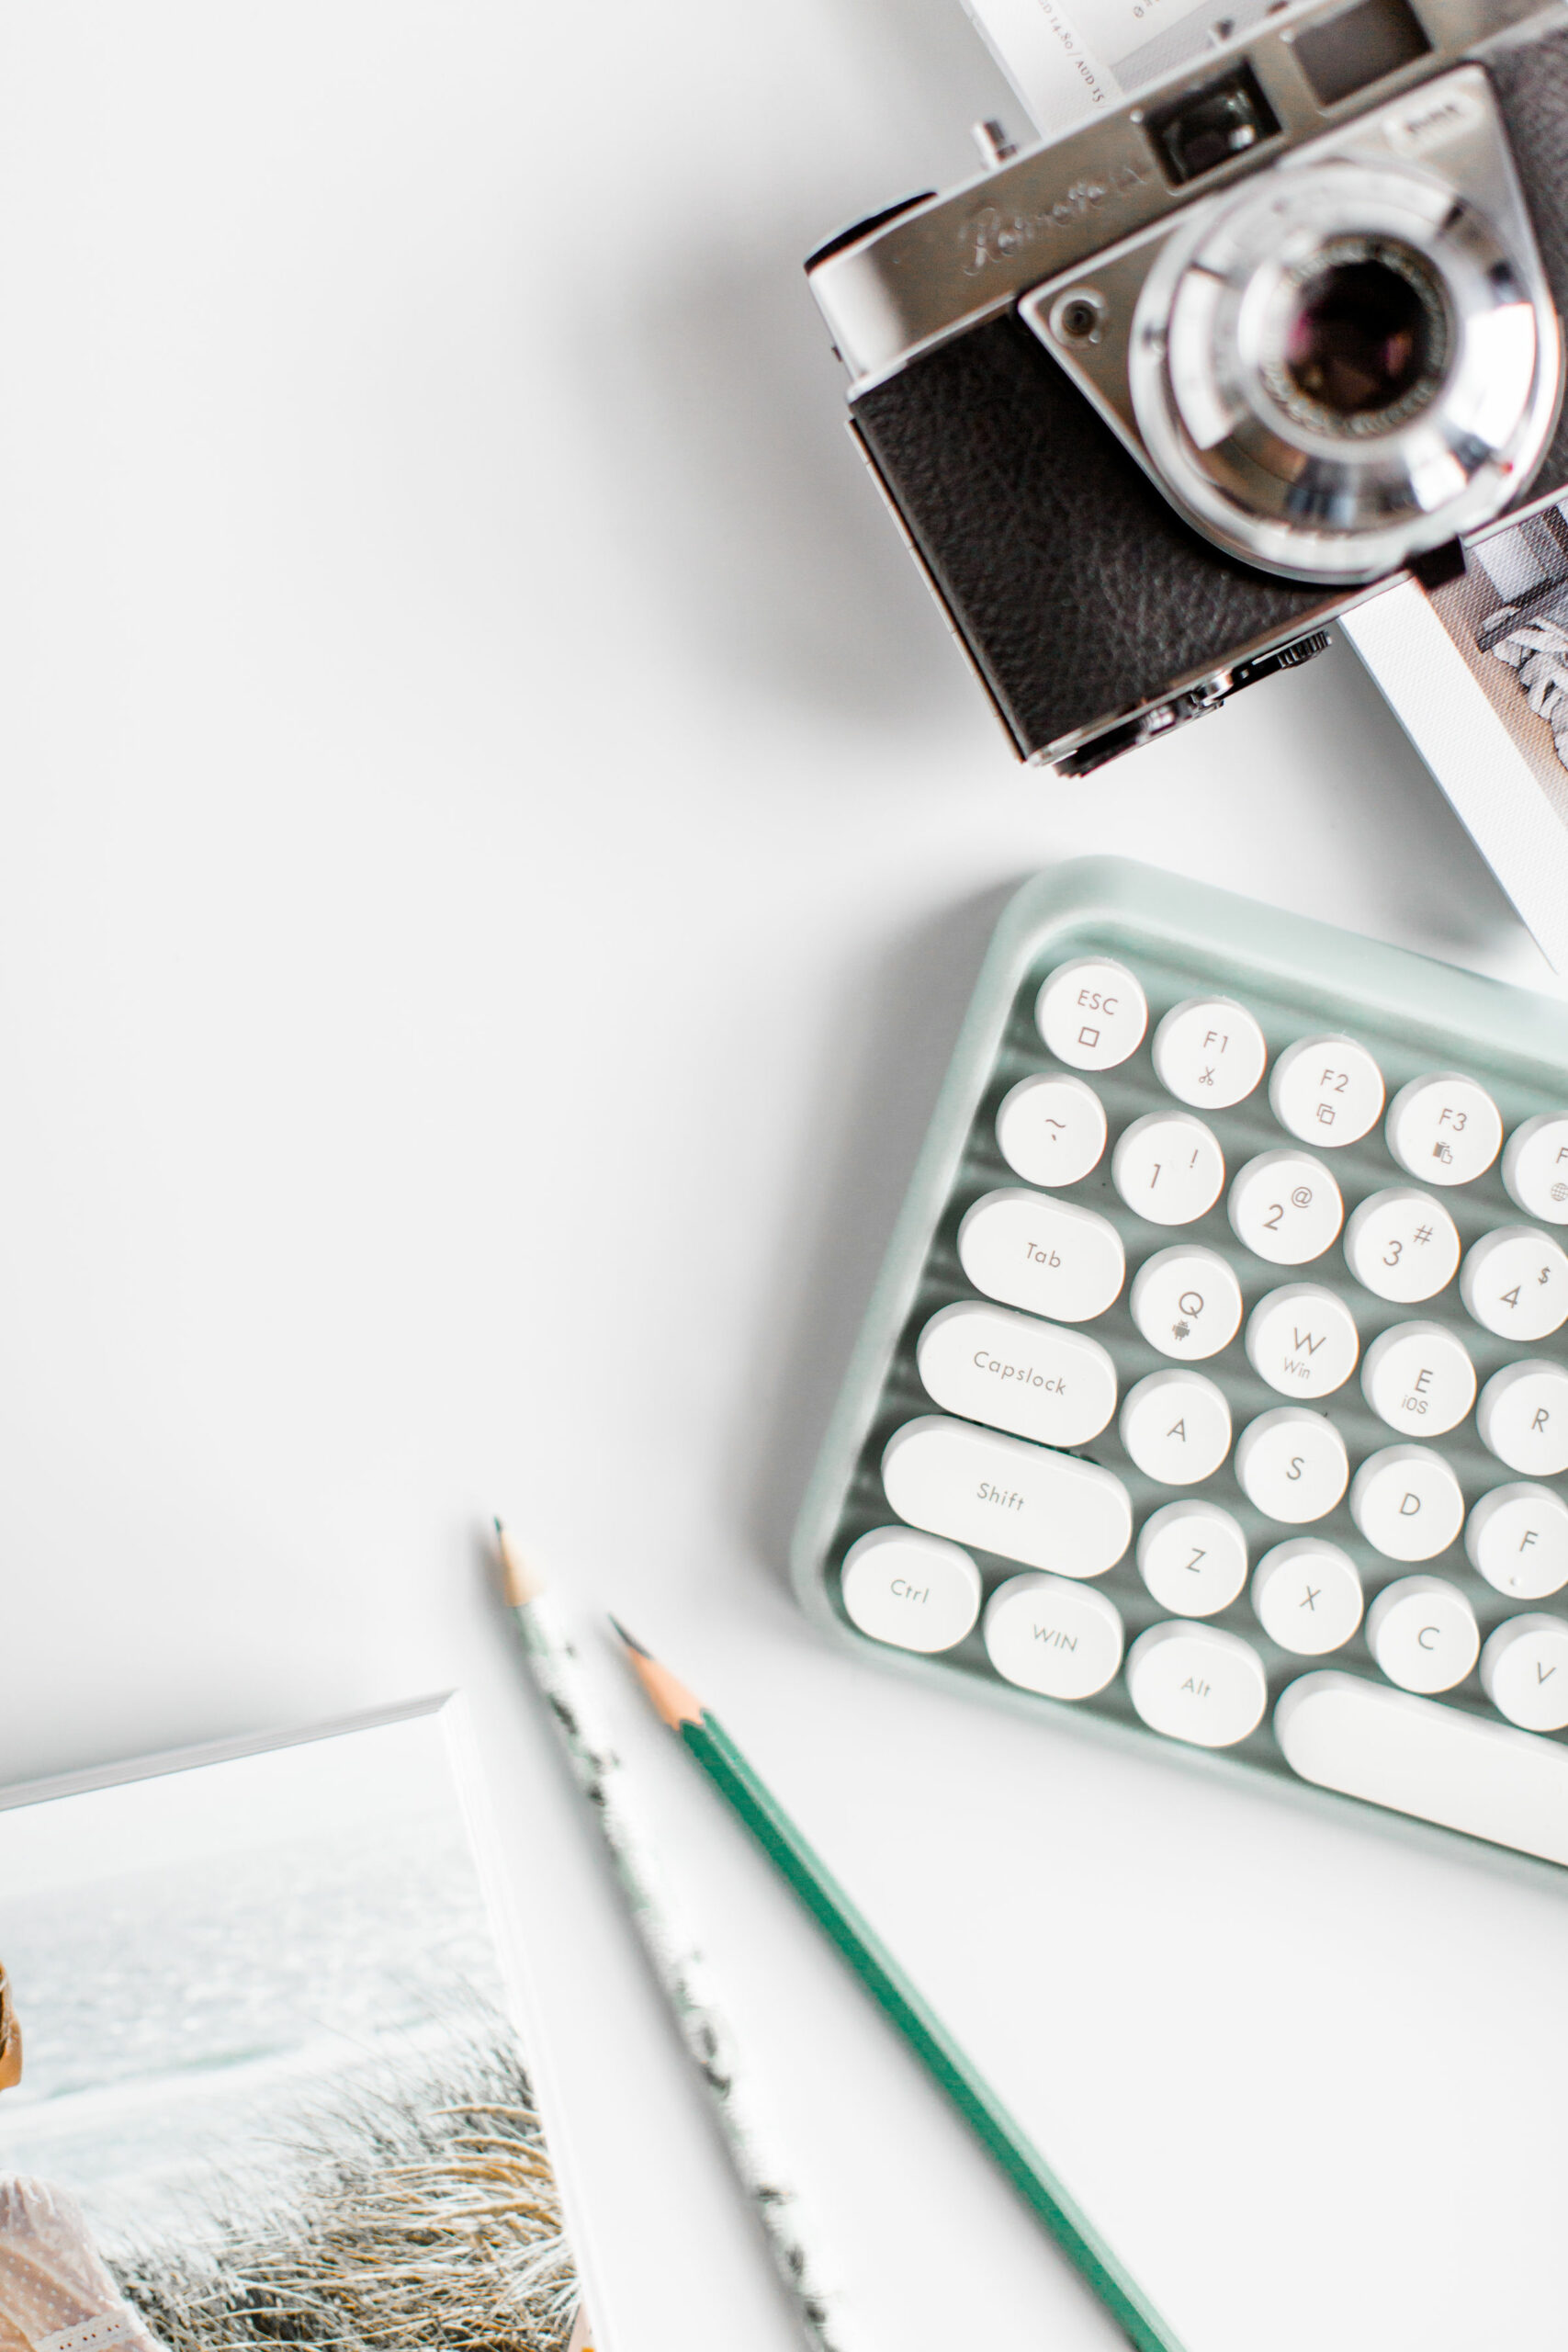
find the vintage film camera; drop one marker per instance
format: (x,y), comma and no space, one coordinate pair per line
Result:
(1153,401)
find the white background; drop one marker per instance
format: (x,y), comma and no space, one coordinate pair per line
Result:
(496,843)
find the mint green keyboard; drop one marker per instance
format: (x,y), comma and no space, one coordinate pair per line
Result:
(1215,1384)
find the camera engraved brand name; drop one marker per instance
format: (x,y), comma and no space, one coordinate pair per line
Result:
(991,236)
(1431,126)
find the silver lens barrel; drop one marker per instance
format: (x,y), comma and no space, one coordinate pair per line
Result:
(1342,366)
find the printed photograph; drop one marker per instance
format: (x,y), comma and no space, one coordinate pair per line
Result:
(258,2085)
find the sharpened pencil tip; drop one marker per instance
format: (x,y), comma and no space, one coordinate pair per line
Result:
(672,1703)
(521,1580)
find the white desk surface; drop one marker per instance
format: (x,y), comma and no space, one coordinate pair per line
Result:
(495,845)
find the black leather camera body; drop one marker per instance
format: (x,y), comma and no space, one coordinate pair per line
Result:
(1153,401)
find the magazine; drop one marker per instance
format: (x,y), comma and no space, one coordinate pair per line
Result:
(258,2077)
(1476,671)
(1069,62)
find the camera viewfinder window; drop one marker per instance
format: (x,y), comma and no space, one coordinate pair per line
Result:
(1358,47)
(1211,126)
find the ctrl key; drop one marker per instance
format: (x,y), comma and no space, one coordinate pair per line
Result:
(1196,1683)
(914,1591)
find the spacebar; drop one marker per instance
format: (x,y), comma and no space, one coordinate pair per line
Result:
(1435,1762)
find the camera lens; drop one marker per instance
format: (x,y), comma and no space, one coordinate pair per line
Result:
(1334,367)
(1365,339)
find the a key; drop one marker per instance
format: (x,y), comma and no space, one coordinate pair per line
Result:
(1192,1558)
(1043,1509)
(1054,1260)
(1422,1632)
(1091,1013)
(1437,1763)
(1168,1168)
(1307,1596)
(1046,1634)
(1402,1245)
(1445,1129)
(1326,1090)
(1197,1684)
(1209,1051)
(1302,1340)
(1524,1672)
(1408,1502)
(1055,1387)
(1535,1168)
(1176,1426)
(1418,1378)
(1516,1538)
(1051,1130)
(1522,1415)
(1293,1465)
(1186,1302)
(1285,1207)
(1515,1281)
(913,1590)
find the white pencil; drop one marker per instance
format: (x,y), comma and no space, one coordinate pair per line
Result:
(676,1961)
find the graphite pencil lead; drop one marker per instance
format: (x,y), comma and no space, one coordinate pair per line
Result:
(672,1703)
(521,1580)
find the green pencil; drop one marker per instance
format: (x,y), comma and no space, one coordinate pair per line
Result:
(788,1851)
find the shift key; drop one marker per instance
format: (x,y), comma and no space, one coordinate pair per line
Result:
(1021,1501)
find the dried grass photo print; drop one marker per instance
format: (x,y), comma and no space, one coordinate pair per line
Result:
(258,2086)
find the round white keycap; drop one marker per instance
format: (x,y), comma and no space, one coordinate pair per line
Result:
(1055,1387)
(1209,1051)
(1291,1463)
(1408,1502)
(1402,1245)
(1044,1255)
(1522,1414)
(1186,1302)
(1302,1340)
(1192,1556)
(913,1590)
(1515,1281)
(1535,1168)
(1196,1683)
(1091,1013)
(1517,1539)
(1524,1672)
(1176,1426)
(1049,1635)
(1307,1596)
(1423,1633)
(1445,1130)
(1168,1168)
(1051,1130)
(1418,1377)
(1326,1090)
(1285,1207)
